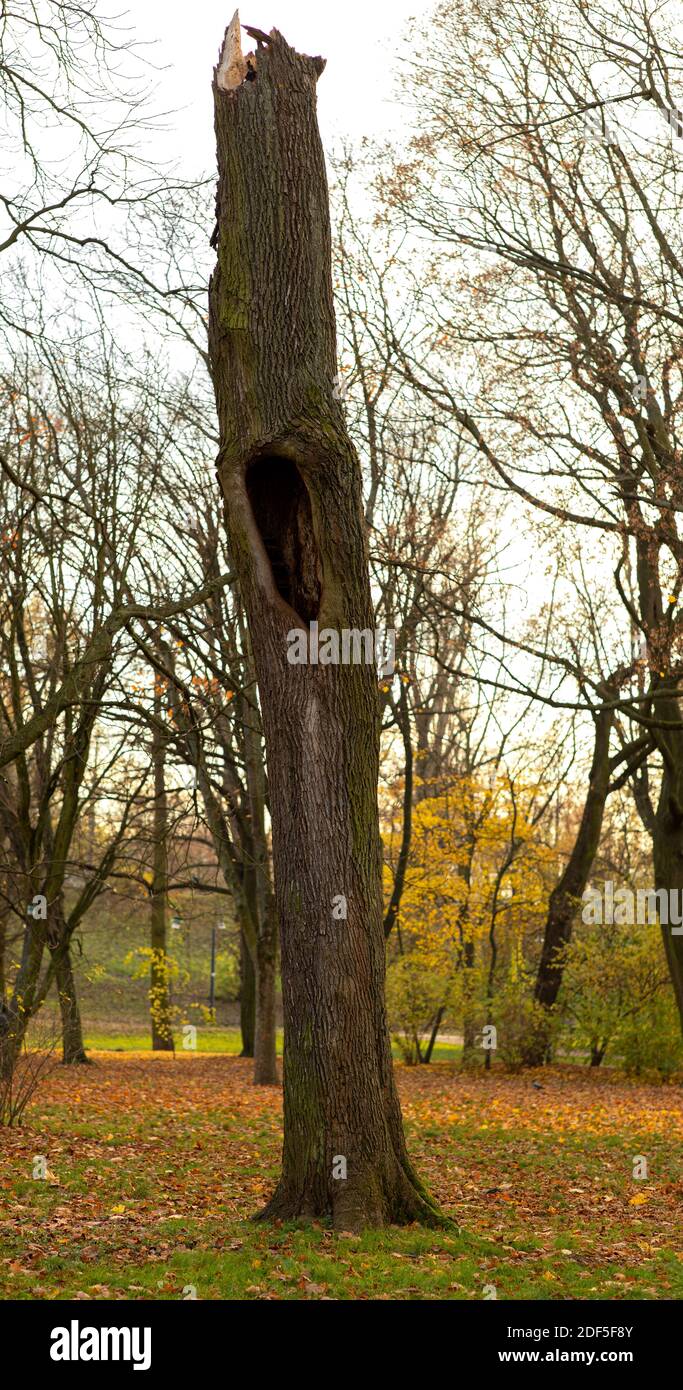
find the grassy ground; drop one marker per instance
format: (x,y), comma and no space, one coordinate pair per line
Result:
(208,1039)
(214,1039)
(111,964)
(155,1165)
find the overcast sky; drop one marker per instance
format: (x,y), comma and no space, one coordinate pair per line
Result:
(357,38)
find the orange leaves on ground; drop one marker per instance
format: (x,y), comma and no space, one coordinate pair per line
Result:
(160,1155)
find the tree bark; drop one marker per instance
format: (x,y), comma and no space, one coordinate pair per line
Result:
(567,892)
(467,962)
(665,823)
(3,944)
(159,998)
(667,847)
(73,1047)
(292,489)
(265,1065)
(247,999)
(20,1006)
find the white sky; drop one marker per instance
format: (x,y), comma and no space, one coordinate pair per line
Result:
(357,38)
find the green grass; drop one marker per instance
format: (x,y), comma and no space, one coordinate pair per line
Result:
(158,1164)
(213,1039)
(208,1039)
(218,1257)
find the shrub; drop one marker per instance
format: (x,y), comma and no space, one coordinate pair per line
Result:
(414,995)
(651,1041)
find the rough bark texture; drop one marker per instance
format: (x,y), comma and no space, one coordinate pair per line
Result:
(292,489)
(261,898)
(265,1065)
(567,892)
(73,1048)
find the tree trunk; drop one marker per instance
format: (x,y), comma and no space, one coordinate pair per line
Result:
(265,1066)
(427,1055)
(467,960)
(292,490)
(73,1048)
(667,854)
(21,1003)
(567,893)
(469,1025)
(247,999)
(666,822)
(3,943)
(159,996)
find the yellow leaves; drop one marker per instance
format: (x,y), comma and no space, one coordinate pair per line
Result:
(639,1199)
(460,839)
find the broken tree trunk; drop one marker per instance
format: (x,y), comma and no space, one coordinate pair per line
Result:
(292,488)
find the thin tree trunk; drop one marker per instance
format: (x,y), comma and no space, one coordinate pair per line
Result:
(467,961)
(666,822)
(21,1003)
(469,1022)
(427,1055)
(265,1066)
(292,490)
(264,904)
(667,853)
(73,1047)
(567,893)
(247,999)
(159,995)
(394,906)
(3,945)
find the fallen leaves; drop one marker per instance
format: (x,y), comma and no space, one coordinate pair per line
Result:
(164,1160)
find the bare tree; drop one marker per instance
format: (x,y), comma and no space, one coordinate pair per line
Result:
(556,140)
(83,212)
(86,465)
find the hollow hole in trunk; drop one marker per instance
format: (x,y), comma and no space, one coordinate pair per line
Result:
(281,508)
